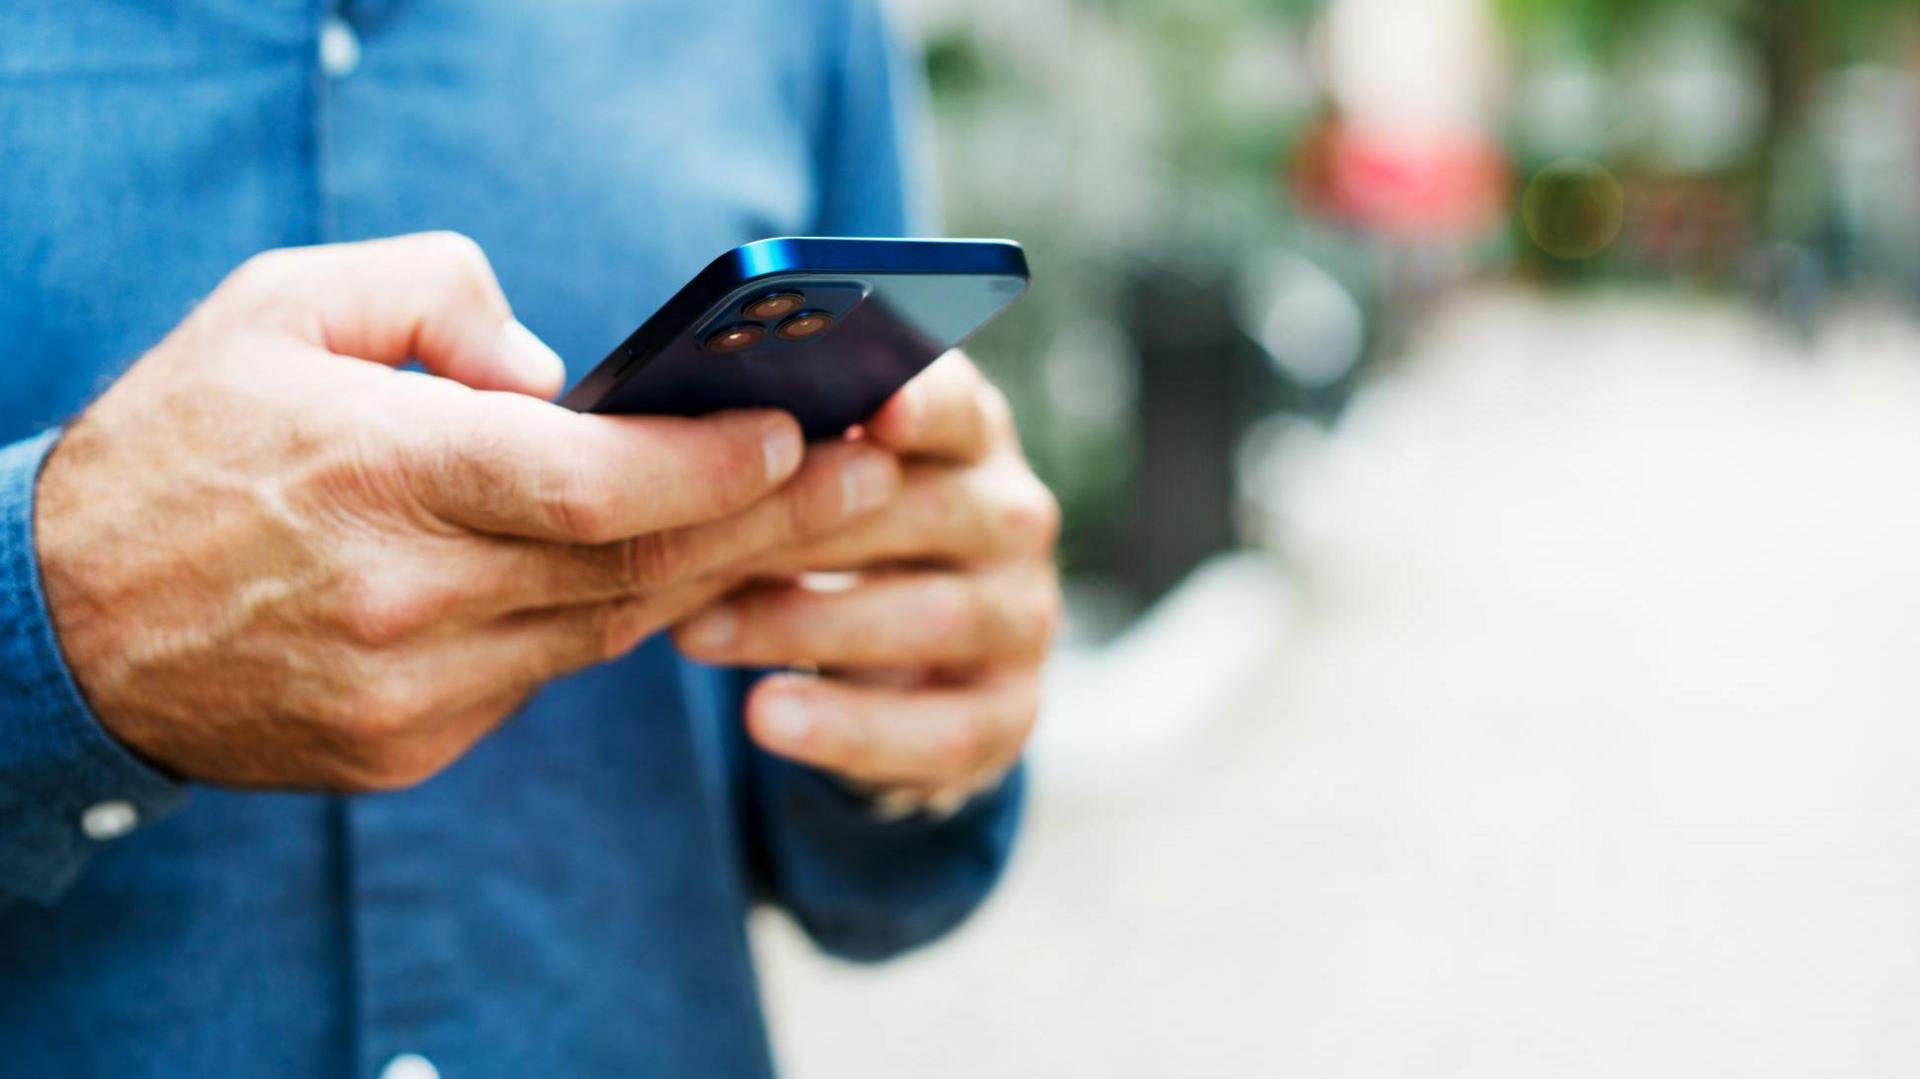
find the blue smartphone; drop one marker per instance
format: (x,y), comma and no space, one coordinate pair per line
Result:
(825,329)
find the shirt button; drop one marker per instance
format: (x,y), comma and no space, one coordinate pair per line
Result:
(103,821)
(339,47)
(409,1066)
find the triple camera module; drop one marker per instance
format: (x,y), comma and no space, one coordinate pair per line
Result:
(785,312)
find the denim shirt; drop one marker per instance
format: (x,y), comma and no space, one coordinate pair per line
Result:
(570,898)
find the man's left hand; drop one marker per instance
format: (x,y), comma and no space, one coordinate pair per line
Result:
(930,650)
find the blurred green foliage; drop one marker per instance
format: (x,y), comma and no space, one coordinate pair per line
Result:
(1851,26)
(1108,135)
(1117,138)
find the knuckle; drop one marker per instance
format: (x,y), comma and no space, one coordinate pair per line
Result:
(801,513)
(742,469)
(656,561)
(1052,610)
(261,290)
(378,611)
(261,268)
(996,410)
(1032,515)
(460,251)
(1036,617)
(467,268)
(569,497)
(470,470)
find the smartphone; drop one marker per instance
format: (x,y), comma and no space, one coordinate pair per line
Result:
(825,329)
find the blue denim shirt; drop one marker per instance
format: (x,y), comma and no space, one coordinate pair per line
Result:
(570,898)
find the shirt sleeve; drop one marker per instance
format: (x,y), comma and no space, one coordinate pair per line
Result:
(863,887)
(66,786)
(873,153)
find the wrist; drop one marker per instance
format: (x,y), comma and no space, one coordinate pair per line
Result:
(60,524)
(71,785)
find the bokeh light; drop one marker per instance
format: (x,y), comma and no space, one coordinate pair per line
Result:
(1573,209)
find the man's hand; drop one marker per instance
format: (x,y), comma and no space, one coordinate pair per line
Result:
(270,563)
(933,651)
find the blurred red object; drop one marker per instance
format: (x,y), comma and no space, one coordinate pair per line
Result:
(1682,223)
(1428,186)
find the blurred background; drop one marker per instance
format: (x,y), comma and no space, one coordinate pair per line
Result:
(1490,437)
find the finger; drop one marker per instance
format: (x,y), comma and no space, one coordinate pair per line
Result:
(932,737)
(422,707)
(1006,613)
(840,482)
(950,412)
(415,687)
(428,704)
(515,466)
(430,297)
(532,648)
(942,514)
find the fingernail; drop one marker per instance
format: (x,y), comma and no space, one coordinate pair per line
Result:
(785,720)
(713,630)
(782,450)
(530,357)
(865,483)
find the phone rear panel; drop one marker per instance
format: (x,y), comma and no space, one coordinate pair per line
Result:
(747,332)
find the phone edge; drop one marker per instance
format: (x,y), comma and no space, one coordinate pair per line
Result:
(750,262)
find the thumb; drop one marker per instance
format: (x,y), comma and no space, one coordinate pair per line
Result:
(428,296)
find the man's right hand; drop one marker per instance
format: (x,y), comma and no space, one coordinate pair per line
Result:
(273,563)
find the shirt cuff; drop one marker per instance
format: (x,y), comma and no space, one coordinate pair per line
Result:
(866,888)
(66,786)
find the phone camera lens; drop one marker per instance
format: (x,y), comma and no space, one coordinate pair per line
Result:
(805,326)
(736,338)
(777,305)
